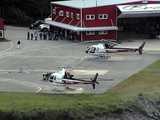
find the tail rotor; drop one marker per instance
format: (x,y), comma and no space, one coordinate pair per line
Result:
(140,49)
(94,81)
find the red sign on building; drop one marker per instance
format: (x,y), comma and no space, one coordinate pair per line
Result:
(89,20)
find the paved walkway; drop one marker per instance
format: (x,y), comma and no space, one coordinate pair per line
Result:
(21,69)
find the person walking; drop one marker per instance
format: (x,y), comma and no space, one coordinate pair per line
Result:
(18,44)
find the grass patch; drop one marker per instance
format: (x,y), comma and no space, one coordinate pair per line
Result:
(146,81)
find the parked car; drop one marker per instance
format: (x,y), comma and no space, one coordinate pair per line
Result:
(36,24)
(44,27)
(40,25)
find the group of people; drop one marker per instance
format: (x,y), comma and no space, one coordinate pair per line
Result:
(37,35)
(47,35)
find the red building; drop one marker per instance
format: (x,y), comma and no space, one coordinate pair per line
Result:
(2,28)
(88,20)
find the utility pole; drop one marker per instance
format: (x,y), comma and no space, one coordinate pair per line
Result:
(81,14)
(96,3)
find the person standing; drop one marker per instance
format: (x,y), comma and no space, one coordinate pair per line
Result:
(40,35)
(35,35)
(44,36)
(31,36)
(28,35)
(18,44)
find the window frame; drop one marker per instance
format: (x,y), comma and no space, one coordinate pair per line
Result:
(103,33)
(103,16)
(77,16)
(89,17)
(90,33)
(61,13)
(54,11)
(67,14)
(72,15)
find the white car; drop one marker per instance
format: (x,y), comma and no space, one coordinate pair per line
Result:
(44,27)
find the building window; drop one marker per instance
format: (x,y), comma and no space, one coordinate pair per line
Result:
(61,13)
(90,17)
(103,32)
(67,14)
(78,16)
(90,33)
(103,16)
(54,11)
(72,15)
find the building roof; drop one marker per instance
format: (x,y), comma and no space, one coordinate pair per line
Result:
(139,10)
(92,3)
(76,28)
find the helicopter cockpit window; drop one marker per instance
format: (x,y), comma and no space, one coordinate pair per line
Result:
(51,77)
(92,50)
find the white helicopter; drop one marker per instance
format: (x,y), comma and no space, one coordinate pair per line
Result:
(65,78)
(102,49)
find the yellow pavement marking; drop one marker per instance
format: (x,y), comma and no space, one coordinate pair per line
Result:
(152,49)
(119,58)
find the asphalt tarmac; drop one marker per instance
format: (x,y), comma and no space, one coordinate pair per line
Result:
(21,69)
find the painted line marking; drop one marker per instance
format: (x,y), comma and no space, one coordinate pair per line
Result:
(28,84)
(10,47)
(89,72)
(26,70)
(3,52)
(74,71)
(39,89)
(151,49)
(53,56)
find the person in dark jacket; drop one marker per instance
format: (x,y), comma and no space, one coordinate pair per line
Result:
(18,44)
